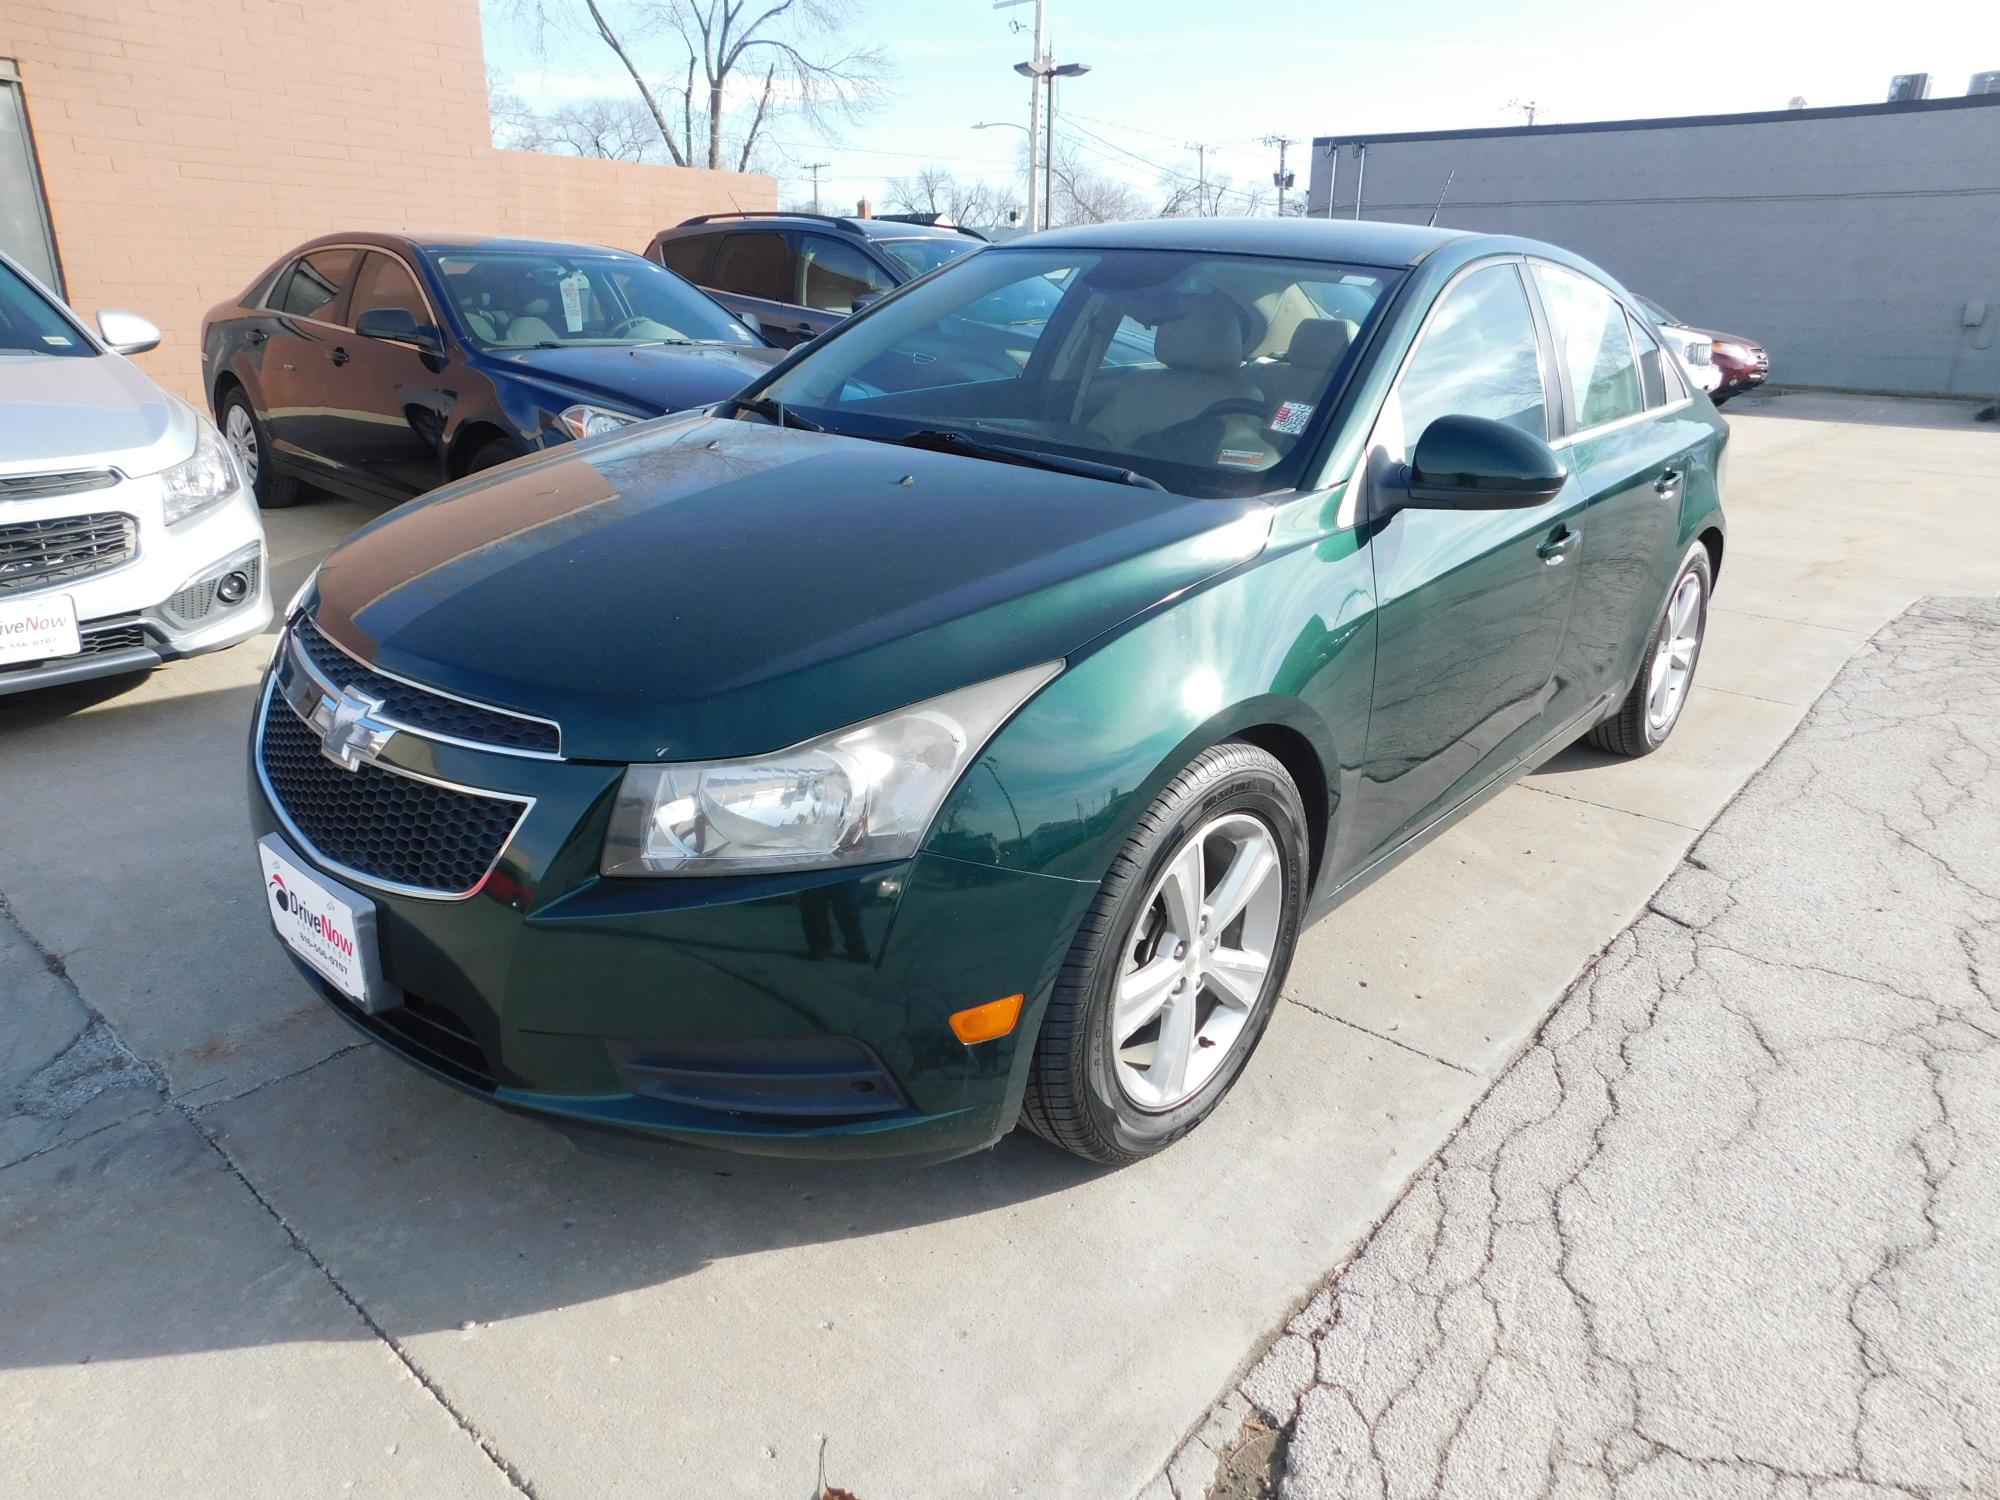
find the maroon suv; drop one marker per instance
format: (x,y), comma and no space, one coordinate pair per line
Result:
(1743,362)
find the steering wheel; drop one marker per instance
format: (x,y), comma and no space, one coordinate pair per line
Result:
(1246,406)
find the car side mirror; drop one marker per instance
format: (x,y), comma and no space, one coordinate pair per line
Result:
(752,322)
(126,332)
(1476,463)
(398,325)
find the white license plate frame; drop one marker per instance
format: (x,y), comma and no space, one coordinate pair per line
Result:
(328,926)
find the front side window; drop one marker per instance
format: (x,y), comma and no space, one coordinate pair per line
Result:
(30,323)
(837,273)
(385,282)
(555,299)
(1594,346)
(1152,361)
(1478,357)
(755,265)
(316,283)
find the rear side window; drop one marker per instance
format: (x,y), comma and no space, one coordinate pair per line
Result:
(316,282)
(1652,364)
(688,256)
(1479,358)
(755,265)
(1594,343)
(837,273)
(385,282)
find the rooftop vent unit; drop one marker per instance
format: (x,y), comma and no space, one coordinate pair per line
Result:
(1985,83)
(1905,87)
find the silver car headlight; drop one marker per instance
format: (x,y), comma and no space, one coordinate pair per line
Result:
(854,797)
(585,420)
(204,479)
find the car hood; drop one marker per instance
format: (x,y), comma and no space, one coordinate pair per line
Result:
(1727,338)
(87,413)
(657,378)
(705,587)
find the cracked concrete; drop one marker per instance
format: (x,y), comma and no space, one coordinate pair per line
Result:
(1730,1226)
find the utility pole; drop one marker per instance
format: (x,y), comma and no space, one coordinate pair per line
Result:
(1034,70)
(1281,178)
(1527,107)
(1201,174)
(816,167)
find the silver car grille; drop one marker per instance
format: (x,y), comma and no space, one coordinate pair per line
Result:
(35,554)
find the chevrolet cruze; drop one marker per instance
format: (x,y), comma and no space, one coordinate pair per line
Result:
(936,736)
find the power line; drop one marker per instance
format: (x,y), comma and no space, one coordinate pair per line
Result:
(816,167)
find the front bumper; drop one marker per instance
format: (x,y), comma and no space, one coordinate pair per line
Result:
(160,605)
(732,1013)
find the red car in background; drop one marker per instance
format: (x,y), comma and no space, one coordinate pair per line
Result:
(1743,363)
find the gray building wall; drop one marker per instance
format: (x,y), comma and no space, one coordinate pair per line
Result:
(1860,246)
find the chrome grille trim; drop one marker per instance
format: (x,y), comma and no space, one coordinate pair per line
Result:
(42,486)
(306,846)
(61,549)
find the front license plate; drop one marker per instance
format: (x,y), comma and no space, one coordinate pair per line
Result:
(327,925)
(38,629)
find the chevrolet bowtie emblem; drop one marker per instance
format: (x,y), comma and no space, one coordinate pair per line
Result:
(349,733)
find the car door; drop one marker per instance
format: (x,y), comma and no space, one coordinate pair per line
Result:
(1627,456)
(386,402)
(296,373)
(1472,606)
(755,271)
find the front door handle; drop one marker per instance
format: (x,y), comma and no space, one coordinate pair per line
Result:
(1556,548)
(257,335)
(338,355)
(1668,482)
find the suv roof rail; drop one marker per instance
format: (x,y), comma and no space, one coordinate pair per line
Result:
(845,221)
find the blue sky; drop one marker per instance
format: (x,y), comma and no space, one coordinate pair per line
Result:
(1168,73)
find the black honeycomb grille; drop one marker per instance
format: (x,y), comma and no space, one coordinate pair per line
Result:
(421,711)
(383,826)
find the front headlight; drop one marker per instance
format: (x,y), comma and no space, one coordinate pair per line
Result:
(588,421)
(853,797)
(205,479)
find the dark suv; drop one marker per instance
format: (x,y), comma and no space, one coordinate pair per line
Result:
(802,273)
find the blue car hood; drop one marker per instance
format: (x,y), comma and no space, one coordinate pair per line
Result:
(654,378)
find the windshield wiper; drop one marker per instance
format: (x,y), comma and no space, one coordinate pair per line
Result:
(1030,458)
(775,411)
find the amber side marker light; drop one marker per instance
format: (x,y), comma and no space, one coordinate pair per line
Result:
(982,1023)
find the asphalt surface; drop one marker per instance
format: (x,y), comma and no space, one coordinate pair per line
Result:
(240,1254)
(1731,1225)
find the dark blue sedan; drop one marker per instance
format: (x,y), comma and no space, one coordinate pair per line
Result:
(383,365)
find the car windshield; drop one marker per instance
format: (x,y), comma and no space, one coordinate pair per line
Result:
(1656,312)
(1207,374)
(919,256)
(558,299)
(30,324)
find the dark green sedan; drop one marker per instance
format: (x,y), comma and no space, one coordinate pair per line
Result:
(957,728)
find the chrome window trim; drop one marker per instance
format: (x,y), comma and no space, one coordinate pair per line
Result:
(299,655)
(1602,428)
(1348,515)
(348,872)
(1644,411)
(395,255)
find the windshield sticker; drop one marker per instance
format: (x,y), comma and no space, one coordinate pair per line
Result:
(1242,458)
(1291,417)
(573,287)
(57,339)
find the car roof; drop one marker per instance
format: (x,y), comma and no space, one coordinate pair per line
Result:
(1356,242)
(874,229)
(446,243)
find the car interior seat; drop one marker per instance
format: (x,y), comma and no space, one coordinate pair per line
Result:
(1202,355)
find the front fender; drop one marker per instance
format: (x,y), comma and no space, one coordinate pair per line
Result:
(1285,642)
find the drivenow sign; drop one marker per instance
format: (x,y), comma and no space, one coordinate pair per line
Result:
(38,629)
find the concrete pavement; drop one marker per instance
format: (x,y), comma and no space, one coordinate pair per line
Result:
(1731,1225)
(235,1229)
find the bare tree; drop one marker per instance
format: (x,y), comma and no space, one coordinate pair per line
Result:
(1084,195)
(616,129)
(934,190)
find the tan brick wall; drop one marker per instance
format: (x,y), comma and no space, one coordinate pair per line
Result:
(185,144)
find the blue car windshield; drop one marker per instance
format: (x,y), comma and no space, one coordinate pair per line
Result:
(30,324)
(560,299)
(1208,374)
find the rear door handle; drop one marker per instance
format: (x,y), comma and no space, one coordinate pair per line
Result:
(338,355)
(1556,548)
(1668,482)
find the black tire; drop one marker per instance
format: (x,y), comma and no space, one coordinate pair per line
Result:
(491,454)
(1074,1098)
(1631,730)
(275,489)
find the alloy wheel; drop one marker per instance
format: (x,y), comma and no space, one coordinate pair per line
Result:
(241,434)
(1198,962)
(1673,657)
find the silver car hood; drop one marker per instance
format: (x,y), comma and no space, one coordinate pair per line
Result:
(98,412)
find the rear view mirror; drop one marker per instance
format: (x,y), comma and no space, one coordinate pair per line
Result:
(397,325)
(126,332)
(1476,463)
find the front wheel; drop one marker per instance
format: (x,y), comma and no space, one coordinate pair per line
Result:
(1659,693)
(1176,968)
(247,439)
